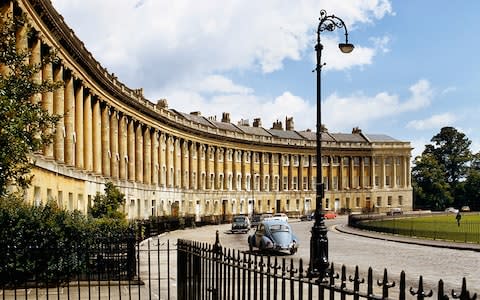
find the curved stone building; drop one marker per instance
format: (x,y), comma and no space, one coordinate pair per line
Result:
(174,163)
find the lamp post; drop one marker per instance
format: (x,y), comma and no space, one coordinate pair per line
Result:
(319,241)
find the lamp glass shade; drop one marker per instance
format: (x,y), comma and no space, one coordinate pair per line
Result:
(346,47)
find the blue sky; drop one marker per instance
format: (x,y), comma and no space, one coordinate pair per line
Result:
(414,68)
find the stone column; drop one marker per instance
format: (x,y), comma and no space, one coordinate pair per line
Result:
(139,153)
(216,168)
(291,172)
(105,129)
(271,172)
(47,104)
(207,166)
(168,161)
(382,172)
(162,178)
(114,157)
(21,40)
(123,147)
(184,165)
(35,59)
(155,163)
(191,167)
(351,171)
(280,172)
(69,121)
(340,176)
(177,155)
(262,172)
(131,150)
(244,171)
(330,174)
(79,121)
(372,176)
(408,172)
(147,159)
(311,182)
(394,172)
(361,182)
(97,136)
(88,132)
(301,161)
(200,165)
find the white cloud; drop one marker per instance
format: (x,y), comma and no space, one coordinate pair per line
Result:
(344,112)
(153,44)
(219,84)
(433,122)
(449,90)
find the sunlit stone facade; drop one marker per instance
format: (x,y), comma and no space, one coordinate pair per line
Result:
(173,163)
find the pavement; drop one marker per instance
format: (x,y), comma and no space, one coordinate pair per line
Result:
(344,228)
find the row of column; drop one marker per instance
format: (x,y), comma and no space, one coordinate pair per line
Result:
(95,137)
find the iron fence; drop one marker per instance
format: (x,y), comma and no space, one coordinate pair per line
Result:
(206,271)
(209,271)
(464,231)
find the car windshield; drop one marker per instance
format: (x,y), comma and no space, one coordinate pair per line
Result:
(238,219)
(279,227)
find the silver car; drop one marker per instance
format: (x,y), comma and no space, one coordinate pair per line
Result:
(273,235)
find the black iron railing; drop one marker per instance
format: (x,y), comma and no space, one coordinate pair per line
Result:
(211,272)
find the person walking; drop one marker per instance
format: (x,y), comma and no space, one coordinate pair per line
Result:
(458,217)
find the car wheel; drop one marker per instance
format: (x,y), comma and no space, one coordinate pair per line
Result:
(293,250)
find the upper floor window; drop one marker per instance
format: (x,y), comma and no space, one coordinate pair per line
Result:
(356,161)
(346,161)
(295,160)
(366,161)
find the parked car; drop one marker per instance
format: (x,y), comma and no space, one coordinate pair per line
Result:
(330,215)
(394,211)
(255,220)
(265,217)
(451,210)
(240,224)
(308,217)
(465,208)
(280,216)
(273,235)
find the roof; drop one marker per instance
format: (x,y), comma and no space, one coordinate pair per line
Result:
(285,134)
(254,130)
(348,137)
(194,118)
(380,138)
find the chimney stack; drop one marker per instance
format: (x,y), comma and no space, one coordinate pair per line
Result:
(257,122)
(225,117)
(289,124)
(277,125)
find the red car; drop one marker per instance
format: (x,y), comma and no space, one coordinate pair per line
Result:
(330,215)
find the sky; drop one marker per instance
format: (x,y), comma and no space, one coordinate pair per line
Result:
(411,72)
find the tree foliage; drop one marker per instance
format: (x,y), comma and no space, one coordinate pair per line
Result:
(25,127)
(108,205)
(447,173)
(451,149)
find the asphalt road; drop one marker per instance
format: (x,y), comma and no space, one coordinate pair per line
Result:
(351,250)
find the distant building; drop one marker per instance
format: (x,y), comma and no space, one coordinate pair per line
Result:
(174,163)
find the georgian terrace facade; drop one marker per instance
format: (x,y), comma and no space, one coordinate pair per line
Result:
(173,163)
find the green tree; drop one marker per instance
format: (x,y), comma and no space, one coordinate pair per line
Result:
(472,184)
(108,205)
(25,127)
(451,149)
(431,190)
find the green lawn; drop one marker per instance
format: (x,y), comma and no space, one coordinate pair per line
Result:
(441,227)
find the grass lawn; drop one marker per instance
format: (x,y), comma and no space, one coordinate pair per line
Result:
(442,227)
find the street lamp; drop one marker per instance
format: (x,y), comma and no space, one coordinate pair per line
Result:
(319,241)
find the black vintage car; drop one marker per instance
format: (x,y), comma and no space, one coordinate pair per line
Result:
(240,224)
